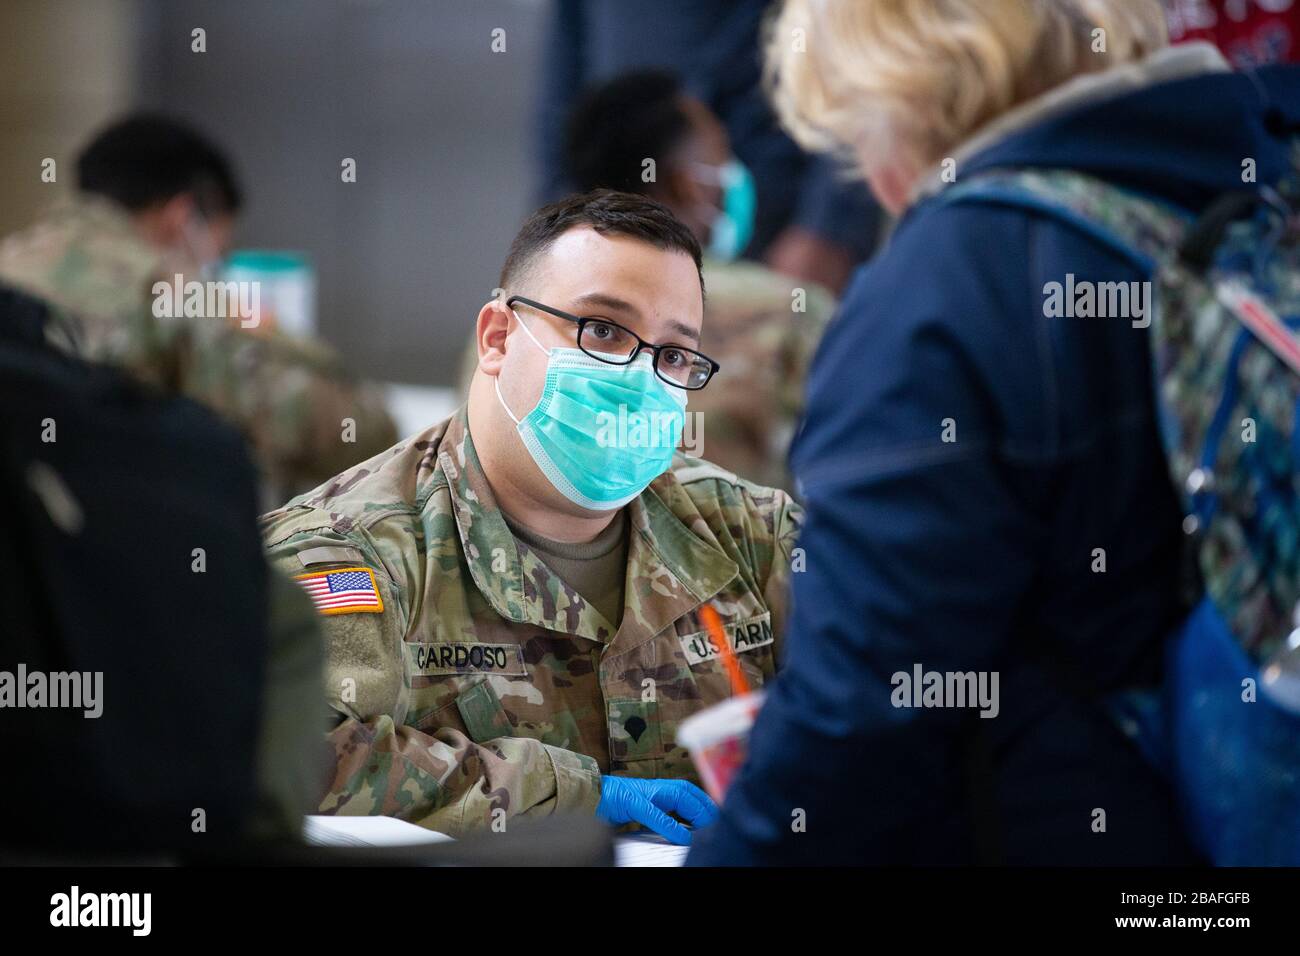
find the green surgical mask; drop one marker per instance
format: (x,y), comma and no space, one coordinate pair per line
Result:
(600,433)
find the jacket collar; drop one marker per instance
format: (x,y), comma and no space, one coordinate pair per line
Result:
(671,571)
(1164,66)
(93,241)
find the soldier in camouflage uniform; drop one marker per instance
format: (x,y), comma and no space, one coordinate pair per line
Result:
(479,683)
(95,264)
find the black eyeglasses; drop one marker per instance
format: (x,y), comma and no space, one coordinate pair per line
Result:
(610,342)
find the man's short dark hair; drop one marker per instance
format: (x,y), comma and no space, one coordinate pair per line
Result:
(146,159)
(619,124)
(608,213)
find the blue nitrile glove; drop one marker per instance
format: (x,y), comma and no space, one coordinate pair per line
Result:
(648,802)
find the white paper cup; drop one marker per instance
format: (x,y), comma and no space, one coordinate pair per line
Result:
(718,740)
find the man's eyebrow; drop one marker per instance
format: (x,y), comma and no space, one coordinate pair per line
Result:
(686,330)
(603,300)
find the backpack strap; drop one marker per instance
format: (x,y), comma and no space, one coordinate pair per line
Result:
(1145,230)
(1149,232)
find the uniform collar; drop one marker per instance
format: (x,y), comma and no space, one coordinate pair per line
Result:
(85,257)
(670,570)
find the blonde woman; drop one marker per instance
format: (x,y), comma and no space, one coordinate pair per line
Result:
(992,541)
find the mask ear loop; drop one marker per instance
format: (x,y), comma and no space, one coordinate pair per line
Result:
(496,379)
(544,349)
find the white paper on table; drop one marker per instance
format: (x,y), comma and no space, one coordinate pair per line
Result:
(319,830)
(647,849)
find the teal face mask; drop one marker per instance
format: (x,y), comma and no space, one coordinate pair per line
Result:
(600,433)
(733,225)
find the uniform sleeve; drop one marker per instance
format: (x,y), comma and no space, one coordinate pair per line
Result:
(306,417)
(328,445)
(291,761)
(381,765)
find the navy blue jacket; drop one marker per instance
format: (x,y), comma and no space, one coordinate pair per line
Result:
(977,555)
(714,46)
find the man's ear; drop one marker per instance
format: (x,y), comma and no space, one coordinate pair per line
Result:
(163,223)
(687,197)
(678,189)
(490,335)
(173,216)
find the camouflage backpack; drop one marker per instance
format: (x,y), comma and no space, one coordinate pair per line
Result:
(1225,299)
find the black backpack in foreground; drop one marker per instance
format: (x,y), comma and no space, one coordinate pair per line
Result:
(132,584)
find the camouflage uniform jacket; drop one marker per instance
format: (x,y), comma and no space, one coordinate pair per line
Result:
(288,396)
(486,683)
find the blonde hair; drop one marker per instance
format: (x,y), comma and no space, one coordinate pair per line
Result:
(908,80)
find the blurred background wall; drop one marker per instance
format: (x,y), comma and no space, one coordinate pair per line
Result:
(437,122)
(56,85)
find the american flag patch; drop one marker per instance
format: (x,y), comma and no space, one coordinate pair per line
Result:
(343,591)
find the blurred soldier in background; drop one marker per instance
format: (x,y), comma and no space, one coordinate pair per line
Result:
(156,200)
(811,224)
